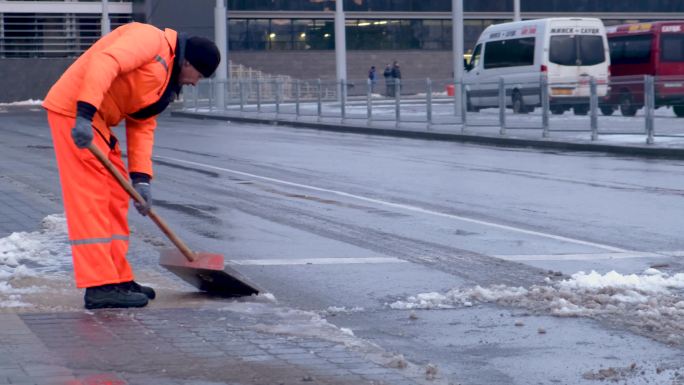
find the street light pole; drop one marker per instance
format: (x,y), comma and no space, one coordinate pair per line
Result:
(516,10)
(340,43)
(457,39)
(105,25)
(221,38)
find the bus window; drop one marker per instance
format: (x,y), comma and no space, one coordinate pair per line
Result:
(630,49)
(672,48)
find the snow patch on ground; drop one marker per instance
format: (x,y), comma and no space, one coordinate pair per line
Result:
(13,300)
(29,102)
(652,302)
(25,256)
(268,297)
(293,323)
(335,310)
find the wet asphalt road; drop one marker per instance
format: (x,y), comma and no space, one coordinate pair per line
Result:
(402,217)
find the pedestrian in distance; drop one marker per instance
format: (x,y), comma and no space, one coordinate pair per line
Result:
(396,76)
(387,74)
(372,78)
(131,75)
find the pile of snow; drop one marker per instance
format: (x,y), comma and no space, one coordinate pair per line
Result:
(25,255)
(652,302)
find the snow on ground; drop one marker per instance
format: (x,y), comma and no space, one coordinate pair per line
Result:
(45,250)
(26,258)
(615,129)
(652,302)
(30,102)
(291,323)
(332,311)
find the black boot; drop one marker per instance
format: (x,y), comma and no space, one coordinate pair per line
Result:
(138,288)
(112,296)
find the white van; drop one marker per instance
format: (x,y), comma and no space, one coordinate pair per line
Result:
(570,51)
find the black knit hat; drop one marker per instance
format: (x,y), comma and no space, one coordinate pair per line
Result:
(203,54)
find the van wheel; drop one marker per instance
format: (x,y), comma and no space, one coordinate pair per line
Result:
(627,107)
(557,110)
(518,103)
(679,110)
(581,109)
(607,110)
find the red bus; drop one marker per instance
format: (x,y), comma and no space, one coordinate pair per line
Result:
(656,49)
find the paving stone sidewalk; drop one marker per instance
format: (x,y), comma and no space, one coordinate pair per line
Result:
(181,346)
(21,209)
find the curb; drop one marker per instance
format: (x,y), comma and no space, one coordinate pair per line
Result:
(629,150)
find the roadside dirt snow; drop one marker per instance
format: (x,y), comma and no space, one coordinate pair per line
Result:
(651,303)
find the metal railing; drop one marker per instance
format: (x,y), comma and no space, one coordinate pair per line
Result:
(649,106)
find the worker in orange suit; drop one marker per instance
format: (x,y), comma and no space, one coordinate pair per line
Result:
(131,75)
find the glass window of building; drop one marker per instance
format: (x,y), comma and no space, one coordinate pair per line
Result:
(280,34)
(257,34)
(237,34)
(432,34)
(548,6)
(51,35)
(281,5)
(301,33)
(322,35)
(471,32)
(601,6)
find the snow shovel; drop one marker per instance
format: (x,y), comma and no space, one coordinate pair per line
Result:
(205,271)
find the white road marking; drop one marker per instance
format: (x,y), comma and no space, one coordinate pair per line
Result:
(316,261)
(404,207)
(576,257)
(589,256)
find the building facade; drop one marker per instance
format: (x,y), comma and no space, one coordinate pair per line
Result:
(38,39)
(407,24)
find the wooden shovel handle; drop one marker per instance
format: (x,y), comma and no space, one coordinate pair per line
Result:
(134,194)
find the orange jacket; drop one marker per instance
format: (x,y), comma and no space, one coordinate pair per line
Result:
(124,71)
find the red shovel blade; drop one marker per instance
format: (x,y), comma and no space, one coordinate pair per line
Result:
(207,273)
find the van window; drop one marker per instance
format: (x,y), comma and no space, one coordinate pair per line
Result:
(571,50)
(475,59)
(630,49)
(672,48)
(509,53)
(591,49)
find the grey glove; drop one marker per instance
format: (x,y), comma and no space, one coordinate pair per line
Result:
(82,133)
(143,188)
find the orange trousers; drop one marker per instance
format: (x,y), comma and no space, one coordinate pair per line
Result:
(96,206)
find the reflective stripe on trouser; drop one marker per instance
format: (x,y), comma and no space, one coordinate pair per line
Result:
(96,207)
